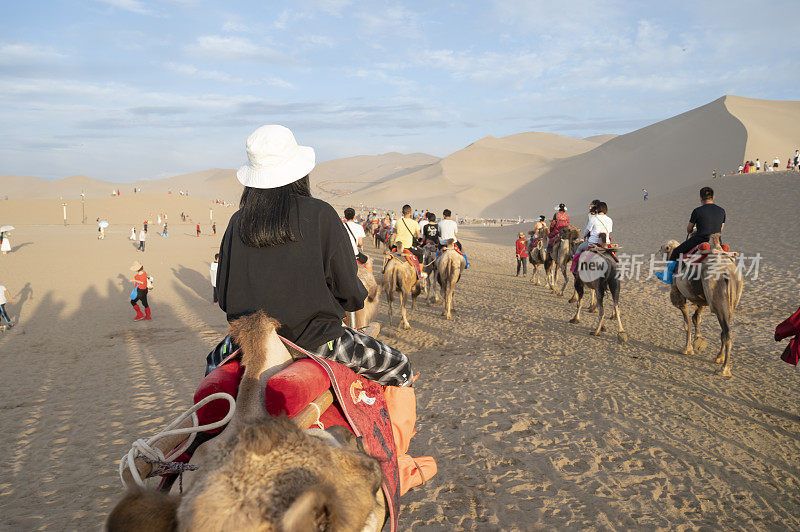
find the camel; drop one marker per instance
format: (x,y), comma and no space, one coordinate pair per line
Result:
(399,276)
(607,279)
(429,267)
(362,318)
(537,254)
(715,283)
(559,257)
(264,473)
(449,266)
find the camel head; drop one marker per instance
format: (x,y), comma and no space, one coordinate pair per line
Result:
(570,233)
(667,247)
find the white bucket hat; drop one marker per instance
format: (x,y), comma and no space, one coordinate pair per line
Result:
(274,158)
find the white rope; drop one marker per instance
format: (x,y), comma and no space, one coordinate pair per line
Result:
(318,422)
(145,448)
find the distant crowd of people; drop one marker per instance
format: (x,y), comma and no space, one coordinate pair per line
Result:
(748,167)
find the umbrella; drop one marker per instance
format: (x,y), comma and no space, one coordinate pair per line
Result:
(6,228)
(103,224)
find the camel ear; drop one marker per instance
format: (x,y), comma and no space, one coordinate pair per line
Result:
(142,509)
(312,510)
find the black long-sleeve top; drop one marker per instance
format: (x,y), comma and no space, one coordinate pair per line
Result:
(307,285)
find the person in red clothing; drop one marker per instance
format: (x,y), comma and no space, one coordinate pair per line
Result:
(140,280)
(790,327)
(522,255)
(198,230)
(560,219)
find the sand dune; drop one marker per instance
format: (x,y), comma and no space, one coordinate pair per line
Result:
(477,175)
(662,157)
(517,175)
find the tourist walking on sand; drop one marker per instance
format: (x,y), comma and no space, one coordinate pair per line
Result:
(142,238)
(133,234)
(522,255)
(139,292)
(214,229)
(644,194)
(198,229)
(776,164)
(213,274)
(5,297)
(5,243)
(144,226)
(302,243)
(164,231)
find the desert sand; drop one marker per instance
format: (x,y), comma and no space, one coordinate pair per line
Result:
(534,423)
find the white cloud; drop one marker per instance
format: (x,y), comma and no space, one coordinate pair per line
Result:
(331,7)
(392,19)
(192,71)
(134,6)
(278,82)
(234,49)
(235,27)
(20,52)
(319,40)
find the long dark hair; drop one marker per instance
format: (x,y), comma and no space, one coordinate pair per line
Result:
(265,214)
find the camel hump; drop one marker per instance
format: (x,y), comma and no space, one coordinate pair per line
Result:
(715,241)
(251,333)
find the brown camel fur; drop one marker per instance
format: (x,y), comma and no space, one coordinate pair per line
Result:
(537,254)
(263,473)
(399,276)
(715,283)
(365,316)
(429,267)
(559,257)
(609,280)
(449,266)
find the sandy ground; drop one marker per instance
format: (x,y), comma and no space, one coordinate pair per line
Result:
(534,423)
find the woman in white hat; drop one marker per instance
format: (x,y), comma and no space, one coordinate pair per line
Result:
(289,255)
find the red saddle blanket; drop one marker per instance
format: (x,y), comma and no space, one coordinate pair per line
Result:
(359,406)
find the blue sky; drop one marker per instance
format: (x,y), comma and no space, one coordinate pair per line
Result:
(129,89)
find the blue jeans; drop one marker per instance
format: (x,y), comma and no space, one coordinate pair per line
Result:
(4,314)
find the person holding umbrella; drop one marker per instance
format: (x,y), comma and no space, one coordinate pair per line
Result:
(5,243)
(101,227)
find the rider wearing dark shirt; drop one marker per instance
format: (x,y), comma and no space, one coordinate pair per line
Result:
(705,221)
(430,232)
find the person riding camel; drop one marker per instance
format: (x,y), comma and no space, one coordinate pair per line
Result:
(560,219)
(288,254)
(598,223)
(448,229)
(430,231)
(706,220)
(406,232)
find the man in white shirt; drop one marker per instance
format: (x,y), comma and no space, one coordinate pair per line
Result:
(142,238)
(5,297)
(449,229)
(354,231)
(213,274)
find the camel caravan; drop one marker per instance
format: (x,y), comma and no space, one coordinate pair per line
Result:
(700,271)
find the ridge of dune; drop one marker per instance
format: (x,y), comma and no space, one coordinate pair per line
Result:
(478,174)
(600,139)
(773,127)
(660,157)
